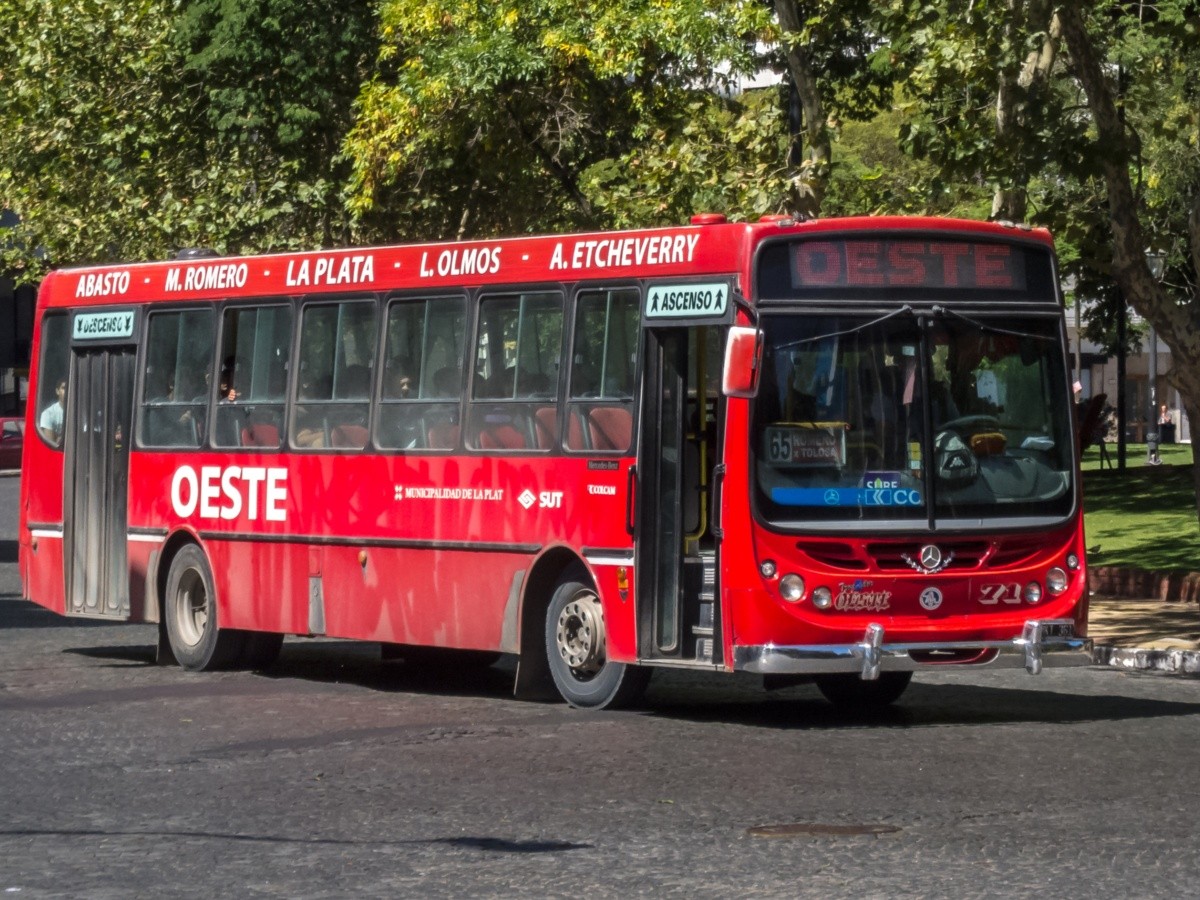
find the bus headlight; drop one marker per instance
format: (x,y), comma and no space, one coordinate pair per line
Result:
(791,588)
(1056,580)
(1032,592)
(1072,561)
(767,568)
(822,598)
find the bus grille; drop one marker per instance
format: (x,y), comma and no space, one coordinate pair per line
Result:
(968,554)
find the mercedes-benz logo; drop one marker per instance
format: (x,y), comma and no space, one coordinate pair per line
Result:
(930,560)
(931,557)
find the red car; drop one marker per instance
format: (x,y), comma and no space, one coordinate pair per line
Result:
(12,435)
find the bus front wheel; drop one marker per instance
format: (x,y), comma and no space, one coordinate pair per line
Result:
(851,692)
(197,640)
(576,646)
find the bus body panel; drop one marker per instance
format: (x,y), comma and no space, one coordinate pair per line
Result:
(421,550)
(440,548)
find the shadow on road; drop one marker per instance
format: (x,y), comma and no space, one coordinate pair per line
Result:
(927,705)
(8,551)
(696,697)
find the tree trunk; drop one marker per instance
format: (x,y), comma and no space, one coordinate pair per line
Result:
(1013,93)
(1176,323)
(811,181)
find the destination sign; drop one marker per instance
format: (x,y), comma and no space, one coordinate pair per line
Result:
(883,262)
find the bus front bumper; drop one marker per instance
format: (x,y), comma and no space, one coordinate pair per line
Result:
(1043,642)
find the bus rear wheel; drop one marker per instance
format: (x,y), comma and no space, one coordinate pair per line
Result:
(576,647)
(850,692)
(197,640)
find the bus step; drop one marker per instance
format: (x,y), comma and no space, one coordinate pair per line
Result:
(704,650)
(704,627)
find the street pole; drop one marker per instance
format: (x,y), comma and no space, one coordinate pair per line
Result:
(1120,379)
(1153,437)
(1157,263)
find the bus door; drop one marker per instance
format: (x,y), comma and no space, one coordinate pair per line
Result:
(96,475)
(677,455)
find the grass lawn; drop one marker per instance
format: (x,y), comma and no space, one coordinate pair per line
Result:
(1144,517)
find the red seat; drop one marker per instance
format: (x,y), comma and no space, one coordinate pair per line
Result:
(354,436)
(443,436)
(610,427)
(501,437)
(546,422)
(260,434)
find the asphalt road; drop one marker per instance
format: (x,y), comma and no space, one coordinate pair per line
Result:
(337,776)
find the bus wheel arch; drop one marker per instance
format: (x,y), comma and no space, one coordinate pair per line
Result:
(534,681)
(189,612)
(563,639)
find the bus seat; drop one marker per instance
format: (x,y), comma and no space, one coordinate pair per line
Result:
(354,436)
(260,434)
(610,427)
(545,420)
(501,437)
(575,440)
(443,436)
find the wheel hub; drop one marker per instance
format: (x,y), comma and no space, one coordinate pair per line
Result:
(580,634)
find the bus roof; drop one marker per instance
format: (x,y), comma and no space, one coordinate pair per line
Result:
(691,250)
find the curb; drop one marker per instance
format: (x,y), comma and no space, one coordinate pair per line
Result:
(1171,662)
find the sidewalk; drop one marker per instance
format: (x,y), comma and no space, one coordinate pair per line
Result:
(1156,635)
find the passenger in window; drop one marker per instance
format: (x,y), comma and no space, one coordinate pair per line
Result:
(399,381)
(226,390)
(312,425)
(50,423)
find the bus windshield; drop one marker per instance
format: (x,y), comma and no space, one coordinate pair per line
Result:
(876,418)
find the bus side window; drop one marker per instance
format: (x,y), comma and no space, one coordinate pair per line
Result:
(517,359)
(604,355)
(54,348)
(255,348)
(337,362)
(424,352)
(178,383)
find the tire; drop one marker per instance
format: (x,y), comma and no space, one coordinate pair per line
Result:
(851,692)
(197,640)
(576,650)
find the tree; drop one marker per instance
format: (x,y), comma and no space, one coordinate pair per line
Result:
(490,117)
(1083,118)
(133,128)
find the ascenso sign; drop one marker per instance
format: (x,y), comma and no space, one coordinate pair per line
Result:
(687,301)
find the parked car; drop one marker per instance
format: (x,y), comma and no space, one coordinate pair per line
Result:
(12,435)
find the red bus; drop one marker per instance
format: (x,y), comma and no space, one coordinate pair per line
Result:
(837,450)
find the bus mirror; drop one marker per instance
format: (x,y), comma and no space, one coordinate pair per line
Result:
(743,354)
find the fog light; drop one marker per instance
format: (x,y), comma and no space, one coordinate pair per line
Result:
(791,588)
(1033,592)
(767,568)
(1056,580)
(1072,561)
(822,598)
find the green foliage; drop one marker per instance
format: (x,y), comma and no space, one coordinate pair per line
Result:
(127,131)
(873,175)
(715,154)
(485,116)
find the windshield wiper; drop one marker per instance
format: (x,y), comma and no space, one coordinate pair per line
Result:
(906,309)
